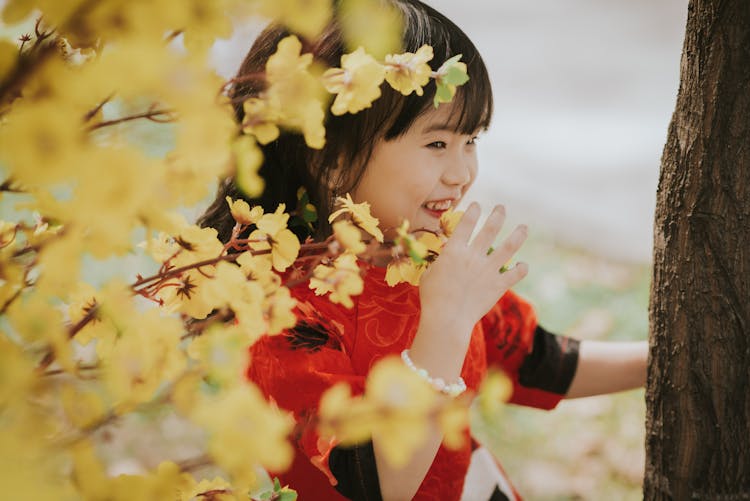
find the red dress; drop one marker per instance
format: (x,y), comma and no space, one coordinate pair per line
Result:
(332,343)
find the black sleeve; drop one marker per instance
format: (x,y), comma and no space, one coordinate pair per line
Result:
(551,364)
(356,472)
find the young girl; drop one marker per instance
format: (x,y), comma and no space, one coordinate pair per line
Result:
(409,161)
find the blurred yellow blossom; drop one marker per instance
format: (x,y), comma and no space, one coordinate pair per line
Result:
(356,84)
(360,215)
(449,220)
(496,389)
(247,159)
(82,406)
(375,25)
(305,17)
(244,432)
(342,279)
(279,311)
(409,402)
(349,236)
(260,120)
(146,355)
(221,353)
(409,72)
(299,93)
(259,268)
(220,490)
(349,420)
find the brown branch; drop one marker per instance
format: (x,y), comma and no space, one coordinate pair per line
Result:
(149,115)
(91,113)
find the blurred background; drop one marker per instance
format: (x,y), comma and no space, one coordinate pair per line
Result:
(584,92)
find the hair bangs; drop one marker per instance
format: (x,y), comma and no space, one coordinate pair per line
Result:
(473,101)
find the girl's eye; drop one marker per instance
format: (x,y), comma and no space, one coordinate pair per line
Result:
(472,141)
(440,145)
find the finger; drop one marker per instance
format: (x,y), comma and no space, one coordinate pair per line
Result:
(514,275)
(490,230)
(466,225)
(509,247)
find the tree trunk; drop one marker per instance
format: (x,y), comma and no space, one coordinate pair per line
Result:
(698,392)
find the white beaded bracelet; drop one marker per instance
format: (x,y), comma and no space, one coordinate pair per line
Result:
(450,389)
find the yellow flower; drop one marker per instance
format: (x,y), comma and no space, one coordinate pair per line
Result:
(221,490)
(284,244)
(403,270)
(230,417)
(82,407)
(242,213)
(348,419)
(415,249)
(449,220)
(146,355)
(496,389)
(356,83)
(342,279)
(306,17)
(375,25)
(258,268)
(247,161)
(220,352)
(297,91)
(280,311)
(360,215)
(409,72)
(260,120)
(405,402)
(349,236)
(453,420)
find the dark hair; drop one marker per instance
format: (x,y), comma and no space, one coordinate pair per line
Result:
(289,164)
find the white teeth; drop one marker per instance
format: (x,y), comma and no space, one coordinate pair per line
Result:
(443,205)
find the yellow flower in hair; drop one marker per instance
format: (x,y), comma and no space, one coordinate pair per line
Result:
(356,83)
(360,214)
(409,72)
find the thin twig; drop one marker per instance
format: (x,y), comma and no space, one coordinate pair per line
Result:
(150,115)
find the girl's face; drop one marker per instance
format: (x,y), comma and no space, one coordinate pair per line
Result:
(419,175)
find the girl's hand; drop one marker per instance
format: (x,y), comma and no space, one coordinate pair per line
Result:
(464,282)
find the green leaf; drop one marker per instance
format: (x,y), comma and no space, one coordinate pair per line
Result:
(456,76)
(414,256)
(443,94)
(451,74)
(309,213)
(276,484)
(289,495)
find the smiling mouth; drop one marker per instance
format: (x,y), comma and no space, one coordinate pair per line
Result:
(438,207)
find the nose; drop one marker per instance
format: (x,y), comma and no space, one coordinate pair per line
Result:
(460,170)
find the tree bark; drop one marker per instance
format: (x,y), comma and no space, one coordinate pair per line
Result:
(698,390)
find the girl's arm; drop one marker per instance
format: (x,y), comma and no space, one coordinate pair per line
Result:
(608,367)
(455,292)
